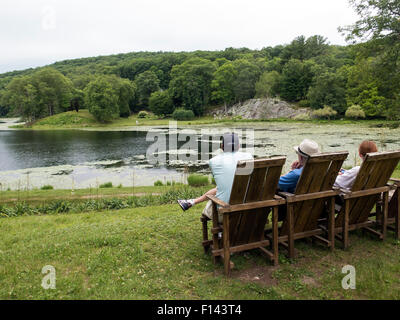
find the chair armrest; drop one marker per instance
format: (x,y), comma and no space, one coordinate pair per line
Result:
(217,201)
(285,194)
(396,181)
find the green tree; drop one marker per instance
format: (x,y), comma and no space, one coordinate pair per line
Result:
(190,84)
(102,100)
(160,103)
(146,83)
(296,80)
(53,90)
(268,85)
(222,84)
(245,81)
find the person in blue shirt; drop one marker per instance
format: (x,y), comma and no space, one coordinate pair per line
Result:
(288,182)
(223,168)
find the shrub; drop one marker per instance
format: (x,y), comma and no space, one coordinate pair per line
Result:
(106,185)
(196,180)
(47,187)
(302,117)
(158,183)
(304,103)
(143,114)
(355,112)
(183,114)
(327,112)
(160,103)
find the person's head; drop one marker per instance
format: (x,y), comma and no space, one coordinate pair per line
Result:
(305,149)
(366,147)
(230,142)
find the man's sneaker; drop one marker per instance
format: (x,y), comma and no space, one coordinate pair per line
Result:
(185,205)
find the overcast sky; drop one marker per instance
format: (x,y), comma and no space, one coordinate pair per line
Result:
(39,32)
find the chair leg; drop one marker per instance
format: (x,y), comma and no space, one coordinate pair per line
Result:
(397,217)
(204,221)
(227,254)
(275,235)
(345,232)
(331,224)
(291,231)
(216,242)
(385,213)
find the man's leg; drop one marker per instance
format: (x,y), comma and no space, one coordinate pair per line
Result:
(186,204)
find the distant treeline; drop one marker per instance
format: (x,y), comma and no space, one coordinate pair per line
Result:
(308,71)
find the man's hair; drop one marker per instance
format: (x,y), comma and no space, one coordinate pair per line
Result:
(230,142)
(367,147)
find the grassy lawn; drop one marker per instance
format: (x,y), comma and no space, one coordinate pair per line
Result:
(155,253)
(83,119)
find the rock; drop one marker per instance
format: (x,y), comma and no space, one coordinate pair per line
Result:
(269,108)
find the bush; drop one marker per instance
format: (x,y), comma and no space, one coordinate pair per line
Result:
(106,185)
(302,117)
(158,183)
(160,103)
(355,112)
(143,114)
(47,187)
(195,180)
(304,103)
(327,112)
(183,114)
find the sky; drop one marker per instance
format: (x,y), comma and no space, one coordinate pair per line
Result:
(39,32)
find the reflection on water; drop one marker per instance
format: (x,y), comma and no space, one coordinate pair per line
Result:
(81,159)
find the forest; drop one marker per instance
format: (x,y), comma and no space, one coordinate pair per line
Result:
(361,80)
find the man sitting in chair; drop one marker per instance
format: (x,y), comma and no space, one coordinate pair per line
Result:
(223,168)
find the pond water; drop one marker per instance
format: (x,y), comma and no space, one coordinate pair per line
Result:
(87,158)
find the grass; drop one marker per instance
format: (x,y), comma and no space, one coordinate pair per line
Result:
(155,253)
(83,119)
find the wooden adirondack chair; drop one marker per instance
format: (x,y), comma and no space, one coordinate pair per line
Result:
(246,215)
(369,189)
(394,208)
(306,206)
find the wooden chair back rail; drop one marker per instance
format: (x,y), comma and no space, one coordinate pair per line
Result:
(318,176)
(374,173)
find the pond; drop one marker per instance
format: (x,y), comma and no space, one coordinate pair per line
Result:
(87,158)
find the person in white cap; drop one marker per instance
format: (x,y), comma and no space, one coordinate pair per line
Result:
(288,182)
(223,168)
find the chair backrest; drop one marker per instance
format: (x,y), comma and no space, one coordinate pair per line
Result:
(258,184)
(319,174)
(375,172)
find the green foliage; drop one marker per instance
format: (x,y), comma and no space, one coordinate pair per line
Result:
(182,114)
(244,83)
(190,85)
(160,103)
(268,85)
(222,84)
(355,112)
(106,185)
(325,113)
(143,114)
(47,187)
(195,180)
(296,79)
(304,103)
(146,83)
(158,183)
(102,100)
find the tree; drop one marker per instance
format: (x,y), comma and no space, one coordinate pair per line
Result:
(160,103)
(245,81)
(268,85)
(222,84)
(296,79)
(329,88)
(102,100)
(190,85)
(53,90)
(146,83)
(355,112)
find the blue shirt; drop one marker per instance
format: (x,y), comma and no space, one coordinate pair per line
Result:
(288,182)
(223,167)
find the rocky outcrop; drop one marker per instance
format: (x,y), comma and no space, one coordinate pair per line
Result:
(270,108)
